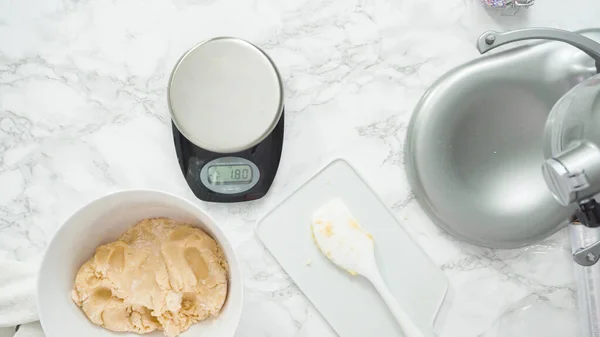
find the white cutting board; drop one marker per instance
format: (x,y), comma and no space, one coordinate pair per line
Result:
(349,303)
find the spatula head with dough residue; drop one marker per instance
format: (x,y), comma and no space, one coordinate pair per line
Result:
(345,243)
(341,238)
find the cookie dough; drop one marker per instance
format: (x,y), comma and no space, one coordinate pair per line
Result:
(159,275)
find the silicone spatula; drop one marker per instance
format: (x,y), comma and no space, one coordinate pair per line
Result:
(345,243)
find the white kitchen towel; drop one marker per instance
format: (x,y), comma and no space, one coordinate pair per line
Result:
(30,330)
(17,292)
(17,296)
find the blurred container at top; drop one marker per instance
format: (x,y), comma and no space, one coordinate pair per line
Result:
(508,7)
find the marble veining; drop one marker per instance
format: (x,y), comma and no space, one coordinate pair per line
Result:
(83,112)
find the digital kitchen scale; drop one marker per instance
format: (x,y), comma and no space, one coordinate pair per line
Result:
(226,101)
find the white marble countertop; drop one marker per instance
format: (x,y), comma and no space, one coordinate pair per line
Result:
(83,112)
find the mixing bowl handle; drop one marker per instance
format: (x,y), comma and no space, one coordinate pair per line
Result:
(491,39)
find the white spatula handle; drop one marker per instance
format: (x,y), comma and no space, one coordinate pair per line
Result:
(409,328)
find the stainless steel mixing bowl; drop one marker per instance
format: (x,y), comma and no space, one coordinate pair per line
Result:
(474,146)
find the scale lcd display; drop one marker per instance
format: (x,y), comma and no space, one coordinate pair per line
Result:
(229,174)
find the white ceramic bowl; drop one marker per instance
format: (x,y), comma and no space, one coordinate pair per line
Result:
(103,221)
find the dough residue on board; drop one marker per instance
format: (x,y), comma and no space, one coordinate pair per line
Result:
(159,275)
